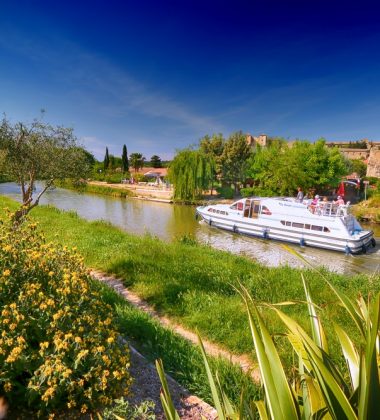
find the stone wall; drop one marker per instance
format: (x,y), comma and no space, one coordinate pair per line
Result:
(373,168)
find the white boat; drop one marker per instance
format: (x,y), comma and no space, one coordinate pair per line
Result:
(325,225)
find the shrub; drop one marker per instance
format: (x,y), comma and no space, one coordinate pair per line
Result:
(58,346)
(256,191)
(226,192)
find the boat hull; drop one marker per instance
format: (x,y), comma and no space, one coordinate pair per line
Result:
(355,244)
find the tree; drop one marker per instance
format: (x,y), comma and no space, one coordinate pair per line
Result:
(190,173)
(124,159)
(106,160)
(136,160)
(358,166)
(234,159)
(155,161)
(213,147)
(39,151)
(280,169)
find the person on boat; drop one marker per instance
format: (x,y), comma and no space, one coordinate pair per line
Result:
(300,195)
(314,203)
(339,201)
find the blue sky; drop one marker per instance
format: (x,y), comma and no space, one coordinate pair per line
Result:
(158,75)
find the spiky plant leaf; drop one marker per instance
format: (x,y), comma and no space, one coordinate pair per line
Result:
(214,390)
(166,399)
(369,378)
(316,326)
(350,354)
(279,396)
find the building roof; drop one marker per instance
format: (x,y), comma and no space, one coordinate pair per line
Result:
(151,171)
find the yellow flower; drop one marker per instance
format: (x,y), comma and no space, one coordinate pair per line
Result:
(110,340)
(6,273)
(51,273)
(44,345)
(7,386)
(83,408)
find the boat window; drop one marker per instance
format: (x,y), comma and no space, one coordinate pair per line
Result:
(307,226)
(240,206)
(325,229)
(210,209)
(297,225)
(288,223)
(233,207)
(256,208)
(283,222)
(319,228)
(265,210)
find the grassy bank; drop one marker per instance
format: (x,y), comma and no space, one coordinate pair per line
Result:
(368,210)
(98,189)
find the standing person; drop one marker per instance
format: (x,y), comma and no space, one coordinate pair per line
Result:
(300,195)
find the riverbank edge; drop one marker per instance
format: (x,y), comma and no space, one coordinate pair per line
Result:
(364,212)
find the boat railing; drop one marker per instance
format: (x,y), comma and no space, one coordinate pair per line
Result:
(329,209)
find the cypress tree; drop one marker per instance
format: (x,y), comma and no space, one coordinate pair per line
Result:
(124,159)
(106,161)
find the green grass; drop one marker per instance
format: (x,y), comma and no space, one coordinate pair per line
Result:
(98,189)
(194,284)
(181,359)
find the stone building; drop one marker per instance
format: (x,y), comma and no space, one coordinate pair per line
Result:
(261,140)
(370,154)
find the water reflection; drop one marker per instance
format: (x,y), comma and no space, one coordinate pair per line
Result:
(169,222)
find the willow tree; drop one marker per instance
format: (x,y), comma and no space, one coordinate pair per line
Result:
(39,152)
(191,172)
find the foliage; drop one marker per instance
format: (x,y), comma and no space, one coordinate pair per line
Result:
(234,159)
(124,159)
(155,161)
(39,151)
(58,347)
(360,144)
(136,160)
(122,409)
(225,192)
(191,173)
(256,191)
(320,387)
(113,178)
(358,166)
(213,147)
(106,162)
(280,168)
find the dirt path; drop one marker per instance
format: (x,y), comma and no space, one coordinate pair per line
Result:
(244,361)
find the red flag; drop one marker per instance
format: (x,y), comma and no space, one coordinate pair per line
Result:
(341,189)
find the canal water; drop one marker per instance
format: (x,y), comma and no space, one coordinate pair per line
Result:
(171,222)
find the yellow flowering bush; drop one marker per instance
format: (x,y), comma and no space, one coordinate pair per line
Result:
(58,346)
